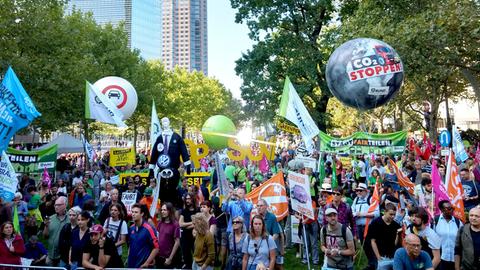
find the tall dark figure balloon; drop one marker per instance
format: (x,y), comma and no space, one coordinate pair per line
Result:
(165,160)
(364,73)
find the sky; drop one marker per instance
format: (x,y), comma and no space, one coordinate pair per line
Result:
(226,42)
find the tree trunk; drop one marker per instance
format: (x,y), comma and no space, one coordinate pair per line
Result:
(135,134)
(321,108)
(434,101)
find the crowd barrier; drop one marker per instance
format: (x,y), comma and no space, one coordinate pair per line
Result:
(13,266)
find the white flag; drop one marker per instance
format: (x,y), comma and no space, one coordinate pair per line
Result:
(155,128)
(88,149)
(292,108)
(457,145)
(8,179)
(101,108)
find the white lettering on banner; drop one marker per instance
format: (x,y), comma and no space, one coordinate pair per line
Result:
(48,165)
(22,158)
(8,179)
(340,143)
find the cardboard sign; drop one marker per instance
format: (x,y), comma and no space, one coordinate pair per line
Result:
(300,194)
(121,157)
(196,178)
(143,178)
(128,200)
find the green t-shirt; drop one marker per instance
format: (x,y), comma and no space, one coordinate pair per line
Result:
(34,202)
(229,171)
(241,174)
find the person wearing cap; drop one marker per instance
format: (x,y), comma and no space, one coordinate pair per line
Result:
(360,207)
(35,251)
(132,188)
(337,242)
(344,211)
(100,252)
(148,200)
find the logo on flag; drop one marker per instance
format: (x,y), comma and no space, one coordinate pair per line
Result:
(454,187)
(101,108)
(155,128)
(274,193)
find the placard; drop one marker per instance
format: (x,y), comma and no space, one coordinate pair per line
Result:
(129,199)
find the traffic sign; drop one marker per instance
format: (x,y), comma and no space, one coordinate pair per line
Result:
(445,138)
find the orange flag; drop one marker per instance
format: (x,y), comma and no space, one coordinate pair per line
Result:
(402,179)
(273,191)
(373,206)
(454,187)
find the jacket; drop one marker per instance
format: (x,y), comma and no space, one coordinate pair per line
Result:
(9,257)
(465,249)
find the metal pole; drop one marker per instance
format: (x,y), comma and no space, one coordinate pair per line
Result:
(305,242)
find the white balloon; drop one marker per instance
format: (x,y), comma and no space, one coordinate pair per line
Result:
(121,92)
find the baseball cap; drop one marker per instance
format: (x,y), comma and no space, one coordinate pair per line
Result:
(97,228)
(330,211)
(148,192)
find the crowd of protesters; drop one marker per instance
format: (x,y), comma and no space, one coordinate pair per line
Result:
(79,220)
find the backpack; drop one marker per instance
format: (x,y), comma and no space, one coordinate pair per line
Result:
(117,235)
(344,233)
(433,225)
(369,198)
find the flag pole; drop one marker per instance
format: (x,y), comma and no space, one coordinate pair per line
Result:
(305,242)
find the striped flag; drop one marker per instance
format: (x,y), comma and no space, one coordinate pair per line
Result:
(402,179)
(454,187)
(373,206)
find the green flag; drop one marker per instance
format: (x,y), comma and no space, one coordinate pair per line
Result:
(334,174)
(321,170)
(16,221)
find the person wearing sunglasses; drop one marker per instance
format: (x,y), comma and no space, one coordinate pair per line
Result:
(344,211)
(447,227)
(235,244)
(259,248)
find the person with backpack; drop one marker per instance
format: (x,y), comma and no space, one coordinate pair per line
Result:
(430,241)
(446,226)
(344,212)
(337,242)
(360,206)
(116,227)
(235,244)
(259,248)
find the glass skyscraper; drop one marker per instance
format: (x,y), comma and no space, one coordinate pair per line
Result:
(142,21)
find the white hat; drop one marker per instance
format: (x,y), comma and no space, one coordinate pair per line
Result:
(326,187)
(330,211)
(361,186)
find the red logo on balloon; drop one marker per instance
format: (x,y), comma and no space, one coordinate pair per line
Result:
(116,91)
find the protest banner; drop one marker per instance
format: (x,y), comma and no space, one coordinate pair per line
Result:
(129,199)
(34,162)
(196,178)
(287,128)
(346,162)
(8,179)
(122,178)
(294,230)
(273,191)
(223,185)
(363,142)
(300,194)
(121,157)
(308,162)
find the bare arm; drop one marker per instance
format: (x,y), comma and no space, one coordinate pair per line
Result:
(184,224)
(122,240)
(245,261)
(375,248)
(86,261)
(436,258)
(457,262)
(272,259)
(350,251)
(150,258)
(102,258)
(174,249)
(213,228)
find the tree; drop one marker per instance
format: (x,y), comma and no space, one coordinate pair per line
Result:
(436,42)
(294,38)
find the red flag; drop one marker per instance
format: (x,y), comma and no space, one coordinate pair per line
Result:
(373,206)
(454,187)
(274,192)
(402,179)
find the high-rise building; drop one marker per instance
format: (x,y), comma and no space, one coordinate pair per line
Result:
(184,34)
(142,21)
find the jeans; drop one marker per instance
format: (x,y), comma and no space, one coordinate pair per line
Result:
(311,232)
(195,266)
(385,264)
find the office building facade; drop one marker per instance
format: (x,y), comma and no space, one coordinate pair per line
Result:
(142,20)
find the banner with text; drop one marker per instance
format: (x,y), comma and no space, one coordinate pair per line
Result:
(122,157)
(129,199)
(34,162)
(363,142)
(8,179)
(122,179)
(196,178)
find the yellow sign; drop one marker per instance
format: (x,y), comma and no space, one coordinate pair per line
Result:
(288,128)
(121,157)
(196,178)
(236,151)
(346,162)
(122,178)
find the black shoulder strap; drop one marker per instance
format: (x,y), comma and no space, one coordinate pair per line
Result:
(344,233)
(369,198)
(118,231)
(457,221)
(324,235)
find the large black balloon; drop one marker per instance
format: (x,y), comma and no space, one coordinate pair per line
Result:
(364,73)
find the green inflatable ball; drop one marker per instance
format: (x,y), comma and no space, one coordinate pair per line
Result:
(215,129)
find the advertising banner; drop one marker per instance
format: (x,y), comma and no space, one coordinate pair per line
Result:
(121,157)
(300,194)
(363,142)
(34,162)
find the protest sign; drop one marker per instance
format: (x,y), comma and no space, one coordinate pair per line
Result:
(346,162)
(8,179)
(196,178)
(121,157)
(34,162)
(222,178)
(308,162)
(287,128)
(129,199)
(300,194)
(363,142)
(122,178)
(294,231)
(273,191)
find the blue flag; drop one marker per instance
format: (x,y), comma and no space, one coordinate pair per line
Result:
(16,108)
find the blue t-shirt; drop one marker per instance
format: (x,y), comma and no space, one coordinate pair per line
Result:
(401,261)
(34,252)
(271,224)
(470,189)
(142,240)
(78,245)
